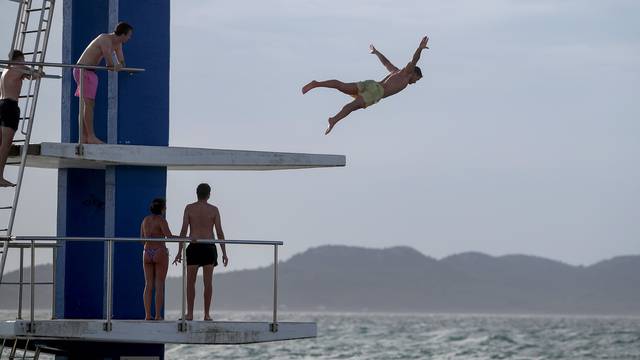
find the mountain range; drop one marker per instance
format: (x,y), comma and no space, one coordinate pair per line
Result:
(401,279)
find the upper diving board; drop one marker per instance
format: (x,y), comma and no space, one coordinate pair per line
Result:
(66,155)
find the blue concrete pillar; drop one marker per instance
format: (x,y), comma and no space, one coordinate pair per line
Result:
(130,109)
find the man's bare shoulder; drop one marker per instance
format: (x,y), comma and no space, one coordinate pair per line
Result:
(11,75)
(101,40)
(149,220)
(212,207)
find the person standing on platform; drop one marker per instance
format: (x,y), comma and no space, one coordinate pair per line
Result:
(10,87)
(201,219)
(155,256)
(103,46)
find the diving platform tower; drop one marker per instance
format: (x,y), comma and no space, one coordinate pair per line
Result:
(104,192)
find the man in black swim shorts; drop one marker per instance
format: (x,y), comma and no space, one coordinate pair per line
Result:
(10,87)
(201,219)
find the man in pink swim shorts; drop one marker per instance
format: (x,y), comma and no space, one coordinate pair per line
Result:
(103,46)
(369,92)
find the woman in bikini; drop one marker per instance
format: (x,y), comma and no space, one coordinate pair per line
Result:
(155,256)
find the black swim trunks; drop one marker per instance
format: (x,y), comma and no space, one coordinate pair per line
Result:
(202,254)
(9,113)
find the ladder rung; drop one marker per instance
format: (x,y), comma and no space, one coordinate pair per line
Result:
(4,229)
(24,118)
(38,9)
(26,96)
(6,207)
(32,31)
(14,162)
(31,53)
(19,140)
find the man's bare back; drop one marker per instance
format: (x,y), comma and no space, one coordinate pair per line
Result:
(11,82)
(202,219)
(395,82)
(102,47)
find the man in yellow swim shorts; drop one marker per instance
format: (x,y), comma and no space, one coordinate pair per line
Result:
(369,92)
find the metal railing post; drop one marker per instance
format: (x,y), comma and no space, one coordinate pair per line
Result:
(54,255)
(183,320)
(108,324)
(21,282)
(274,324)
(81,114)
(33,286)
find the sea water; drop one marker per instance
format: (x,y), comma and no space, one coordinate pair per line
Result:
(420,336)
(417,336)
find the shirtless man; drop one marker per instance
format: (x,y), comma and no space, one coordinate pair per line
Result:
(100,48)
(367,93)
(201,218)
(10,87)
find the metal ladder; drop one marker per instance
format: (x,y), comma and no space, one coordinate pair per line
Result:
(32,29)
(17,353)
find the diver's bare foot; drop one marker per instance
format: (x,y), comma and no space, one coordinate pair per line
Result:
(309,86)
(332,123)
(148,318)
(207,318)
(159,318)
(6,183)
(94,140)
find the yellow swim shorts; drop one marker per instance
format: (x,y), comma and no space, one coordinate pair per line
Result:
(371,91)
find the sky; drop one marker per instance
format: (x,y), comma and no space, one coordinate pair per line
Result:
(522,137)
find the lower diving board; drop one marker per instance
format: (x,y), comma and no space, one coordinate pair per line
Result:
(158,332)
(67,155)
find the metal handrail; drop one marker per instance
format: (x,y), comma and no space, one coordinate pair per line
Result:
(70,66)
(45,76)
(135,239)
(22,242)
(82,68)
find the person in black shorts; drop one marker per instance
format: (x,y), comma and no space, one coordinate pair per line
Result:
(200,220)
(10,87)
(202,254)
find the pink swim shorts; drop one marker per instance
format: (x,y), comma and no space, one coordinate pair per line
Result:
(90,83)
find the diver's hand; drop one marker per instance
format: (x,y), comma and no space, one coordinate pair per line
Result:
(423,43)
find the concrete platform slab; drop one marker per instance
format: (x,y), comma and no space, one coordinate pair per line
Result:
(65,155)
(158,332)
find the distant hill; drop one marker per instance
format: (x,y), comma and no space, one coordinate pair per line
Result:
(342,278)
